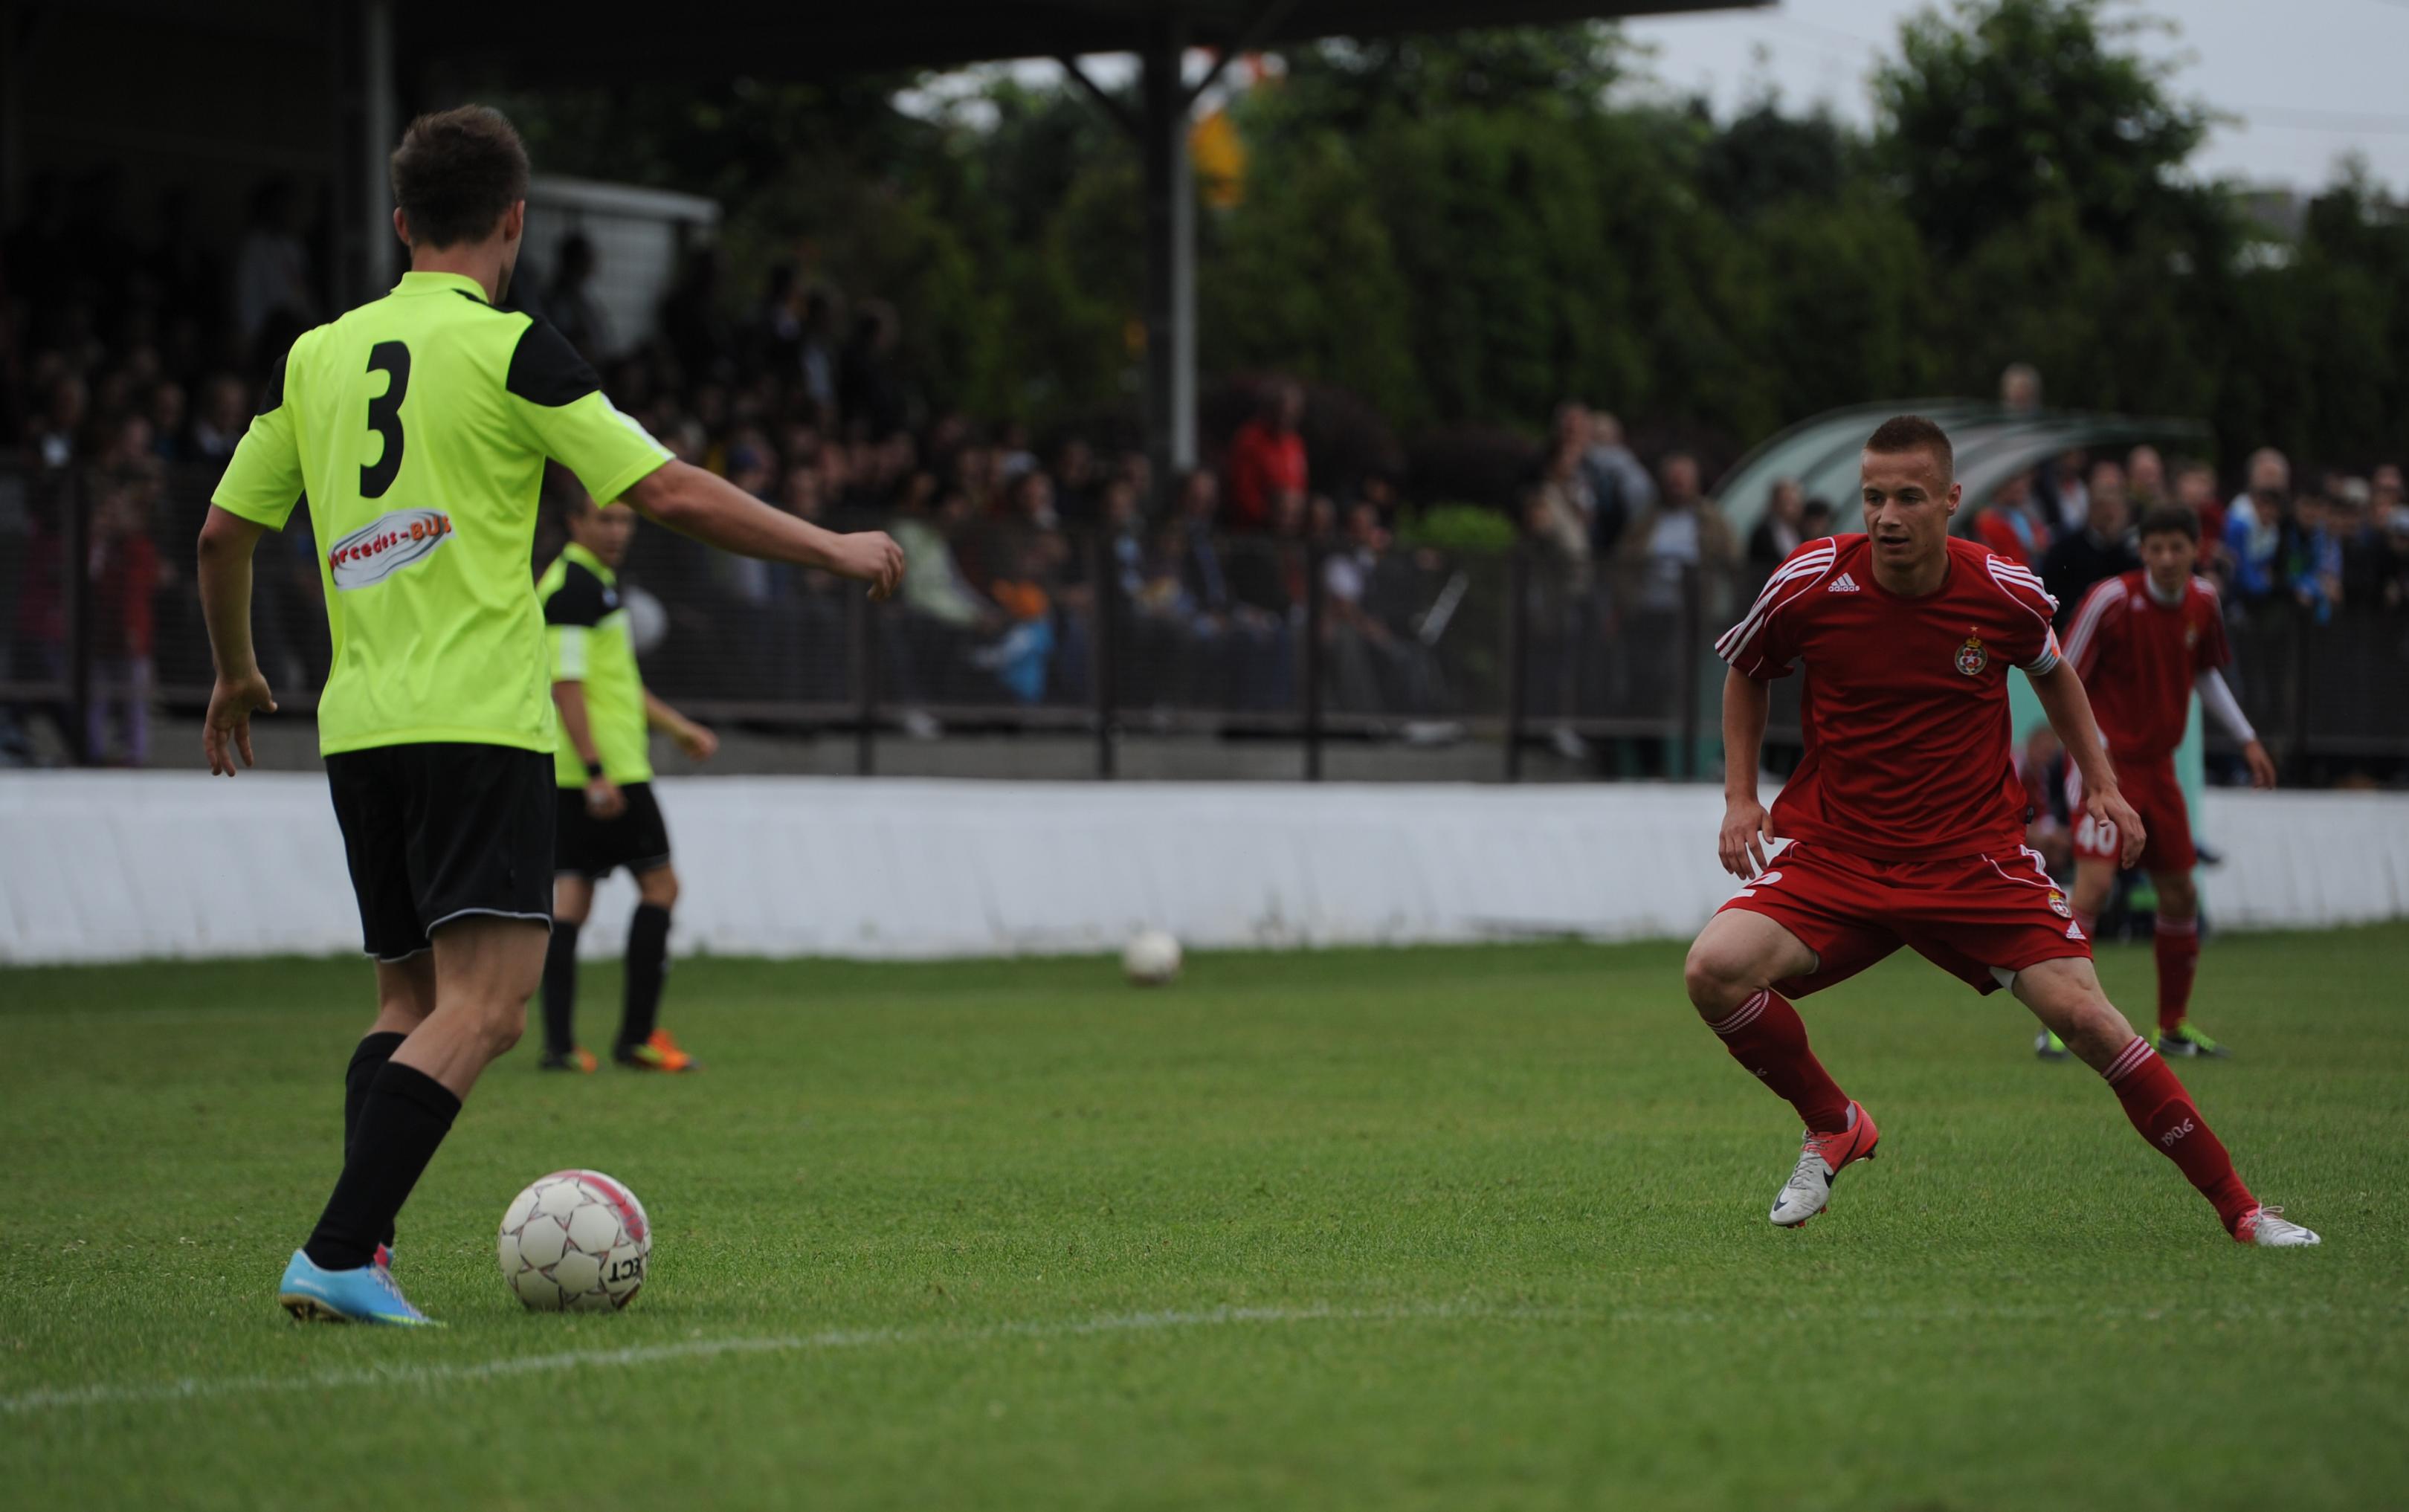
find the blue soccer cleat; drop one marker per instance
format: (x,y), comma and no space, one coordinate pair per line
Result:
(364,1295)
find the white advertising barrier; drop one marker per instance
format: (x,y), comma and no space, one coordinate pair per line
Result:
(122,866)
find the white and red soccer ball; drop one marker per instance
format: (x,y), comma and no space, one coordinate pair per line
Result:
(575,1241)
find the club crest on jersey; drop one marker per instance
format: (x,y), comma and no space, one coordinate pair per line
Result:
(2059,905)
(385,545)
(1972,658)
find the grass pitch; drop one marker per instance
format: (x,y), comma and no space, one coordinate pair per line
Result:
(1444,1228)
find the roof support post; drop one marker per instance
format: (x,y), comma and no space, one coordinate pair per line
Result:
(366,126)
(1170,254)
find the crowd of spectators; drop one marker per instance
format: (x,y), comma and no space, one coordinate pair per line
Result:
(128,373)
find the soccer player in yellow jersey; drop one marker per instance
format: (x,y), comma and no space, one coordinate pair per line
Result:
(609,817)
(418,426)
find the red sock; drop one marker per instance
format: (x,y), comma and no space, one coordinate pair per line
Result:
(2160,1107)
(1765,1035)
(2178,945)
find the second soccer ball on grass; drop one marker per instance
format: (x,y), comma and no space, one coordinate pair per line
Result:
(1151,959)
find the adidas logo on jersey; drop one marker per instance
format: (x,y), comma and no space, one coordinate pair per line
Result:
(1843,584)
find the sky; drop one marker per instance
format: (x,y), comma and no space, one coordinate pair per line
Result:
(2306,82)
(2309,81)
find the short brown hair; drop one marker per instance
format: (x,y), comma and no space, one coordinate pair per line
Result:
(1914,433)
(2171,520)
(456,173)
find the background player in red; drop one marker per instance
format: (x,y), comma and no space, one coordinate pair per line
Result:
(1904,825)
(2141,642)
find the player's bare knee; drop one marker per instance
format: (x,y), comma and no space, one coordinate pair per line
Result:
(660,886)
(500,1027)
(1718,978)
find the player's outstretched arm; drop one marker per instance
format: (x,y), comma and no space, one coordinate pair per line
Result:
(1747,832)
(696,740)
(2216,696)
(701,504)
(2068,709)
(227,541)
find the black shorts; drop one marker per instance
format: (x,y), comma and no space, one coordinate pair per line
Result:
(638,839)
(441,830)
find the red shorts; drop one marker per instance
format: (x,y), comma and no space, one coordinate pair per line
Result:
(2151,787)
(1966,915)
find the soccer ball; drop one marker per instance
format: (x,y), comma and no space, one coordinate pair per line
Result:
(575,1241)
(1151,959)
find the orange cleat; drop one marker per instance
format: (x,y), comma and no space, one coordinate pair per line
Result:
(660,1053)
(1821,1159)
(579,1060)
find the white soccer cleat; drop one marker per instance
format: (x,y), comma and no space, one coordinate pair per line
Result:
(1821,1159)
(2266,1225)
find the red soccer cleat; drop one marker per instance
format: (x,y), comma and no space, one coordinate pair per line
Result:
(1821,1159)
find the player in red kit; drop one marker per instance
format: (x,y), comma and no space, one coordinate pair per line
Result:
(1904,825)
(2143,642)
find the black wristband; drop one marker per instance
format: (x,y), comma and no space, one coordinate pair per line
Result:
(593,771)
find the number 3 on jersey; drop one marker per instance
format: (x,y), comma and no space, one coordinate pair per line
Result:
(384,416)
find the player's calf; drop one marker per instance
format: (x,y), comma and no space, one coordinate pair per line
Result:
(2065,995)
(1730,972)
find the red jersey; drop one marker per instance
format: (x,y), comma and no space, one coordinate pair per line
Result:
(1263,462)
(2139,658)
(1905,712)
(2018,537)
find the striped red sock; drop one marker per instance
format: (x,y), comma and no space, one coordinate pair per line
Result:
(1766,1035)
(2178,951)
(2160,1107)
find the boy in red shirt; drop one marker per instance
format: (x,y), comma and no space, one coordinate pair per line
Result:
(2143,642)
(1904,825)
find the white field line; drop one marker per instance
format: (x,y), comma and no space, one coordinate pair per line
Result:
(202,1389)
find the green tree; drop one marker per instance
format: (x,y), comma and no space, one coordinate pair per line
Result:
(1999,107)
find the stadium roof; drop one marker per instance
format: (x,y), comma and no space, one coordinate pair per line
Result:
(1992,445)
(778,38)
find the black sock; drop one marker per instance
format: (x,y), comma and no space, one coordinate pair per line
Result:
(648,965)
(373,1052)
(560,989)
(406,1116)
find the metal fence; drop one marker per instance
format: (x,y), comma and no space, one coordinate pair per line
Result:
(1102,636)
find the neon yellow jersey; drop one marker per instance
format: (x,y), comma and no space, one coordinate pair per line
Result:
(587,628)
(418,426)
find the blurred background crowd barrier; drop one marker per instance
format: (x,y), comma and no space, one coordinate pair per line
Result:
(1512,660)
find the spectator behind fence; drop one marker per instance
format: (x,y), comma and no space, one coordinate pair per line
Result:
(1684,533)
(271,267)
(2056,497)
(2382,577)
(125,576)
(2196,490)
(1817,520)
(1778,530)
(1624,490)
(1266,465)
(1562,507)
(2101,549)
(2019,389)
(568,304)
(1243,652)
(2258,524)
(2315,568)
(2009,525)
(2146,479)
